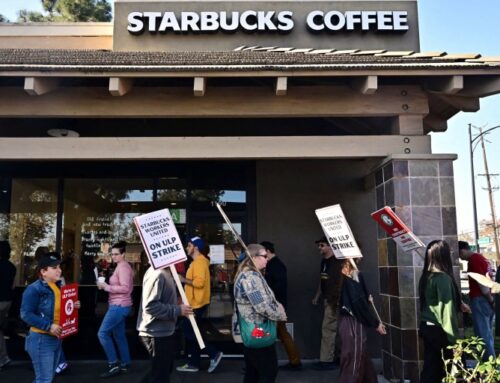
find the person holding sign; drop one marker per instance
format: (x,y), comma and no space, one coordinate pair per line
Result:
(256,304)
(355,316)
(120,303)
(329,289)
(440,302)
(156,319)
(197,288)
(41,309)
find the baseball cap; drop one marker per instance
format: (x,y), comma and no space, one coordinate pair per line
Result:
(198,242)
(49,260)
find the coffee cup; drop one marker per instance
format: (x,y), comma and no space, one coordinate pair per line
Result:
(101,279)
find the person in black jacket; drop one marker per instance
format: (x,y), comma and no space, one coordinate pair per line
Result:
(276,278)
(355,316)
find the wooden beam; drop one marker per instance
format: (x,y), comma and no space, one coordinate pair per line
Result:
(481,86)
(306,101)
(433,123)
(36,86)
(445,85)
(461,103)
(365,84)
(173,148)
(408,125)
(199,86)
(281,85)
(119,86)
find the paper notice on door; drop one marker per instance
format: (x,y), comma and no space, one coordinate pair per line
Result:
(217,254)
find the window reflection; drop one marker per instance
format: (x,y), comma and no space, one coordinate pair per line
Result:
(98,213)
(31,224)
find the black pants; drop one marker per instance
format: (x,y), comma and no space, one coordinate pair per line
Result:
(162,352)
(261,365)
(435,342)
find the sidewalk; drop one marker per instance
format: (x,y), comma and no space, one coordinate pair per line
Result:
(229,371)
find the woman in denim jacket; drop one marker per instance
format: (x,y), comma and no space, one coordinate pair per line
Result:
(256,303)
(40,308)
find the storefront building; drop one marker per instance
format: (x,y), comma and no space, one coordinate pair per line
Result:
(272,108)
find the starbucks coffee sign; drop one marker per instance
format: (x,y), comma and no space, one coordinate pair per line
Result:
(224,25)
(265,21)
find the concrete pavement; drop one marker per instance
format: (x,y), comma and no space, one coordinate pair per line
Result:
(229,371)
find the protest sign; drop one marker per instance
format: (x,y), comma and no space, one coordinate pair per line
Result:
(164,249)
(69,315)
(396,228)
(338,232)
(160,238)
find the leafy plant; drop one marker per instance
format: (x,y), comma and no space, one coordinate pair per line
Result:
(479,371)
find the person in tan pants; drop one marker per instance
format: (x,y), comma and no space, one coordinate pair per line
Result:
(276,278)
(329,289)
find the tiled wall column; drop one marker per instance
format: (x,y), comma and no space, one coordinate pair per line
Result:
(421,193)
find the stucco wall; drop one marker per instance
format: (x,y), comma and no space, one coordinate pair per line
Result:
(288,192)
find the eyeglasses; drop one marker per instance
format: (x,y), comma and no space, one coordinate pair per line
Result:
(322,245)
(262,255)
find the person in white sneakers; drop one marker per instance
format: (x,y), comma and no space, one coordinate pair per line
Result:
(197,288)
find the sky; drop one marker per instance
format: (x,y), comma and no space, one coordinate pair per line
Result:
(454,26)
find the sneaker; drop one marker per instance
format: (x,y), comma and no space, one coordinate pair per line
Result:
(61,368)
(187,368)
(124,367)
(291,367)
(5,362)
(113,370)
(324,366)
(215,362)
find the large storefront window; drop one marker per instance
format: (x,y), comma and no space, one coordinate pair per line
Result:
(100,212)
(29,222)
(82,217)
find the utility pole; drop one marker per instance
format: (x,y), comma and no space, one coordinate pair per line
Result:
(490,194)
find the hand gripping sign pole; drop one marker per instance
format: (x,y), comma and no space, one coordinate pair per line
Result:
(340,237)
(164,249)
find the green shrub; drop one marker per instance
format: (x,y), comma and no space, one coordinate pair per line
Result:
(481,372)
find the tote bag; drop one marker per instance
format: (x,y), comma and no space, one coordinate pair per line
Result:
(258,335)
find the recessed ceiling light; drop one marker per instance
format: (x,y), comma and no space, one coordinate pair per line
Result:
(62,133)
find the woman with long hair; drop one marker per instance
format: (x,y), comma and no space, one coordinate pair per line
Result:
(255,303)
(120,303)
(356,316)
(440,303)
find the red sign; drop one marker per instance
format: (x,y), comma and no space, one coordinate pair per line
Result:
(396,228)
(69,314)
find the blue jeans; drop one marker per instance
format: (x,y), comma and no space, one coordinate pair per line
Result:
(113,324)
(44,350)
(482,319)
